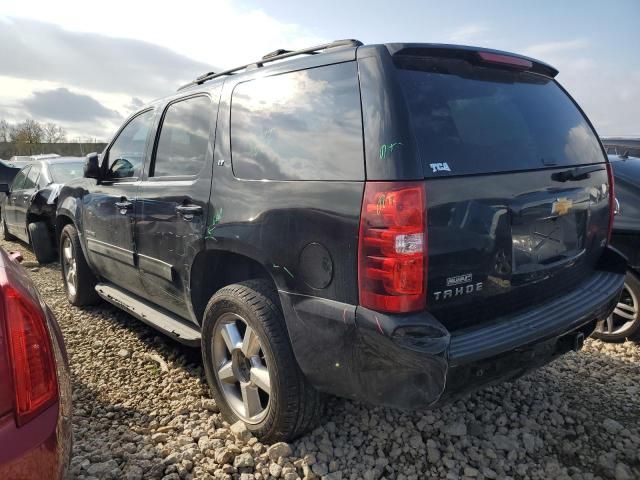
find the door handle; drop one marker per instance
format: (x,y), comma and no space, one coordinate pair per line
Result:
(124,205)
(188,211)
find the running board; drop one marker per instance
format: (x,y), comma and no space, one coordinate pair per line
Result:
(167,323)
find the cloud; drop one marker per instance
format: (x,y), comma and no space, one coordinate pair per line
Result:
(64,105)
(222,33)
(475,33)
(134,104)
(554,48)
(36,50)
(608,97)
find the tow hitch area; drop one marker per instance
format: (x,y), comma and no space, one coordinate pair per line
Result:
(572,341)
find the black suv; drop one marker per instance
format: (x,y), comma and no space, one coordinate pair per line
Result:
(393,223)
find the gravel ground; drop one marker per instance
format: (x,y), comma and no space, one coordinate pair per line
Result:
(142,410)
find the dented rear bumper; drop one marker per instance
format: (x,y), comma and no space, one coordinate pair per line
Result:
(413,361)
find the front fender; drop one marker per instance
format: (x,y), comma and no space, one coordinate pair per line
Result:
(69,207)
(43,206)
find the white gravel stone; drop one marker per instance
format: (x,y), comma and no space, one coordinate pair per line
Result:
(455,429)
(240,431)
(277,450)
(612,426)
(244,460)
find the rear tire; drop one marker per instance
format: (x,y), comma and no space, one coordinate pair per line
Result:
(624,322)
(291,406)
(41,242)
(79,281)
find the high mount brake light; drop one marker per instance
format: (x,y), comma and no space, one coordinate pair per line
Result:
(30,355)
(392,250)
(506,60)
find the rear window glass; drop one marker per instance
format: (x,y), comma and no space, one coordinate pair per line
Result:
(480,120)
(304,125)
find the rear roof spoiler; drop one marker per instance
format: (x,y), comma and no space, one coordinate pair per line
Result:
(473,55)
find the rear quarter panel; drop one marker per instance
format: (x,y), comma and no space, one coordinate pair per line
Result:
(273,221)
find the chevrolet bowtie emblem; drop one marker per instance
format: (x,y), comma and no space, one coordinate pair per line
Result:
(561,206)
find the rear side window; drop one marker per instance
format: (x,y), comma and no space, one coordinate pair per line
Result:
(303,125)
(184,138)
(476,119)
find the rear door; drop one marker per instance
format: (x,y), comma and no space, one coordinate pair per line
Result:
(110,209)
(23,201)
(516,183)
(173,197)
(13,197)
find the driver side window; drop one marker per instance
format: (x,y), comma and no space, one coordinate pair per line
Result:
(126,155)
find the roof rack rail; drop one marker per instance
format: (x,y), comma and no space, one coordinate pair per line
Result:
(275,53)
(273,56)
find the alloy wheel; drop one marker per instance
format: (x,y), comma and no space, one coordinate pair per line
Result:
(69,266)
(241,368)
(624,315)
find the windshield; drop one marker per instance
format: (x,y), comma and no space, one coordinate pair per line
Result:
(63,172)
(476,120)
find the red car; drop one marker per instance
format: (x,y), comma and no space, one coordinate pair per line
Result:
(35,387)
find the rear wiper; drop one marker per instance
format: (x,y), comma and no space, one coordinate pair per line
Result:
(578,173)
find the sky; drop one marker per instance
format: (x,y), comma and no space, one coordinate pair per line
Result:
(87,65)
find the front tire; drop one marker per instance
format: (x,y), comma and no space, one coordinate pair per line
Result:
(250,366)
(41,243)
(79,281)
(624,322)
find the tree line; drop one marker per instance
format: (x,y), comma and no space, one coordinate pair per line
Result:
(32,131)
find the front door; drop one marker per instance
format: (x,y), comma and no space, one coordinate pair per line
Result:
(173,198)
(110,209)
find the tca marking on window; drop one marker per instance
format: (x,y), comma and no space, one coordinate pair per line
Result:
(440,167)
(387,149)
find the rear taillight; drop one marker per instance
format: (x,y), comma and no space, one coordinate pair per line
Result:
(612,201)
(392,252)
(30,355)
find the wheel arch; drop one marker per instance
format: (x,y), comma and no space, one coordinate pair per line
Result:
(62,220)
(214,269)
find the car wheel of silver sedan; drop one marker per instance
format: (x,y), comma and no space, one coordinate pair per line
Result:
(624,322)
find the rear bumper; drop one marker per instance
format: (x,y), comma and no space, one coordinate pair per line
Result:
(591,300)
(413,361)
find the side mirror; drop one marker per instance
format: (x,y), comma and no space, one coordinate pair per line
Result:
(92,166)
(4,188)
